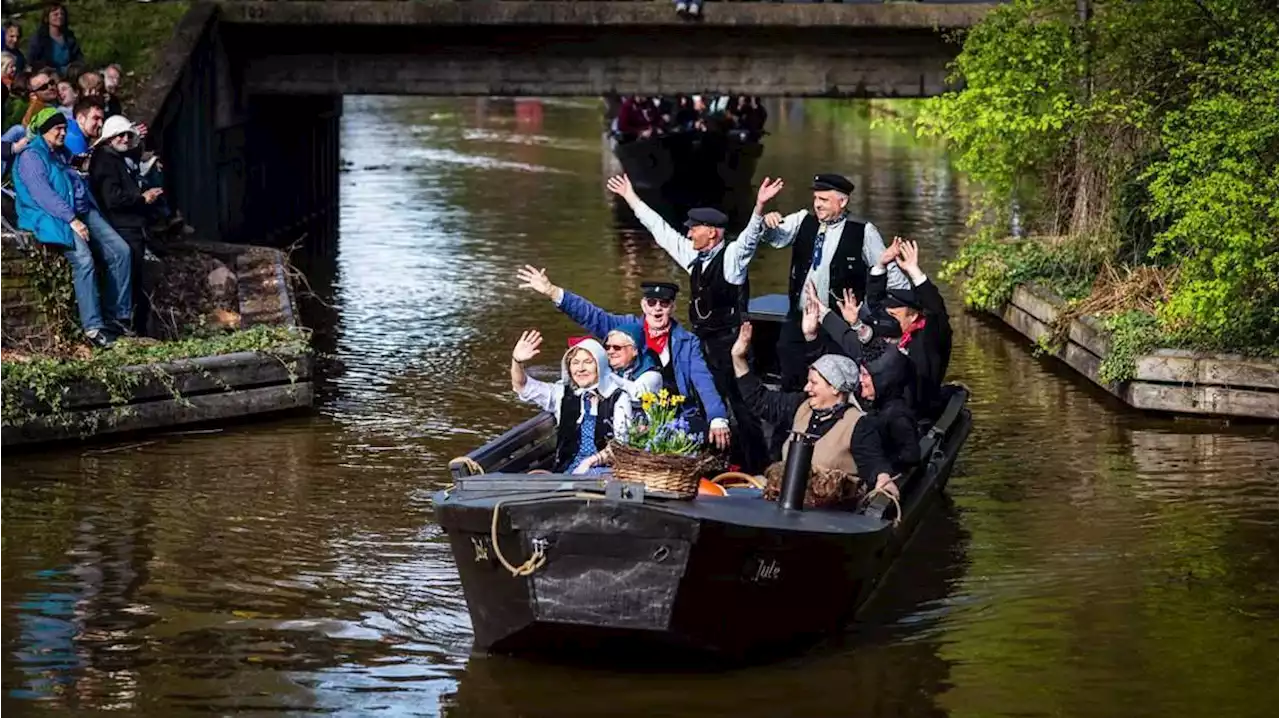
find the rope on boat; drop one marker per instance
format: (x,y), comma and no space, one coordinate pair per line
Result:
(472,466)
(538,557)
(754,481)
(531,564)
(897,505)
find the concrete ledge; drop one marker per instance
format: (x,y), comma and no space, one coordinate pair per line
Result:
(905,15)
(1166,380)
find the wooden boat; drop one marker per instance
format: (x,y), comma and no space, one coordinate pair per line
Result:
(579,566)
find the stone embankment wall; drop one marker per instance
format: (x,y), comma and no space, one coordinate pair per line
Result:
(22,319)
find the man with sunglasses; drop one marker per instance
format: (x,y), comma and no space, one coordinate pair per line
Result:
(42,91)
(684,370)
(720,287)
(828,248)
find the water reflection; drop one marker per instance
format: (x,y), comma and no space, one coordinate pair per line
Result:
(1090,563)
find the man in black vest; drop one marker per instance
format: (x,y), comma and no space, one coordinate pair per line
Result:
(720,290)
(829,248)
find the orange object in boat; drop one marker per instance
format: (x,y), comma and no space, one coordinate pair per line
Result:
(709,488)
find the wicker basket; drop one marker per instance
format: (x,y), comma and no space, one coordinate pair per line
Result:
(664,476)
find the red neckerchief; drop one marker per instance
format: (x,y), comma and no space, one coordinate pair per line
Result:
(911,330)
(656,344)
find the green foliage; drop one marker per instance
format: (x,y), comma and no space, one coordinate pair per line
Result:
(990,268)
(1152,129)
(1020,67)
(1217,186)
(37,387)
(1132,335)
(129,33)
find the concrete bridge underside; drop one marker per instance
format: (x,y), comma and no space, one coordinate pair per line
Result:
(246,100)
(589,48)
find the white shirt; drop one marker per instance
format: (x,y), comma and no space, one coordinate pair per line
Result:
(785,234)
(547,396)
(738,253)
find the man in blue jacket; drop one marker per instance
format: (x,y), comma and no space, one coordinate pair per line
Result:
(54,204)
(684,369)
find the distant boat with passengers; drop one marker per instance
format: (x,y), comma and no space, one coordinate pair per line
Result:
(689,151)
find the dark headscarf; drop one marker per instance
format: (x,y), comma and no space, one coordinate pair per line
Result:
(890,373)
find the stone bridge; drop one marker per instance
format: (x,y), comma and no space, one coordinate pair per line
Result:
(558,47)
(246,98)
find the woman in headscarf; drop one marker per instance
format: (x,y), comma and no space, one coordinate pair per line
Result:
(635,368)
(848,457)
(589,406)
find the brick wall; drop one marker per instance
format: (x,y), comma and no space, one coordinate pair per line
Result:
(21,318)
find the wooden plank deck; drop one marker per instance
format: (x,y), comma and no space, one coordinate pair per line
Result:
(1166,380)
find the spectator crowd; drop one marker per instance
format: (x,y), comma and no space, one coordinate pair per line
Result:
(78,176)
(639,117)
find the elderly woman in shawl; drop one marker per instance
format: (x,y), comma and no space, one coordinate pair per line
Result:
(863,430)
(589,405)
(635,368)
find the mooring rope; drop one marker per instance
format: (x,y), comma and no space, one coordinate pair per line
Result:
(472,466)
(538,557)
(897,505)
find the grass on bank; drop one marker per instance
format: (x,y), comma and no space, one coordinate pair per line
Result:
(121,31)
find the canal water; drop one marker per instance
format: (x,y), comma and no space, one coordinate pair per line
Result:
(1087,562)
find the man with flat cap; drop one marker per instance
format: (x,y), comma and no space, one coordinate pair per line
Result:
(829,248)
(684,370)
(922,317)
(720,291)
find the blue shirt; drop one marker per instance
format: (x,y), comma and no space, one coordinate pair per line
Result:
(59,54)
(77,143)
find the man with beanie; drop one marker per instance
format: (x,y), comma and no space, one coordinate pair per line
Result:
(54,204)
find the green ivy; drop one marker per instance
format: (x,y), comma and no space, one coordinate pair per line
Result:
(1132,335)
(123,366)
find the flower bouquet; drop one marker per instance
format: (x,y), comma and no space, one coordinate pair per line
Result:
(658,449)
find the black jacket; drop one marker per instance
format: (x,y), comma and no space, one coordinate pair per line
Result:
(885,439)
(116,189)
(930,347)
(40,49)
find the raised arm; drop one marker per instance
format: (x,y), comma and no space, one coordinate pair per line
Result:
(926,291)
(534,391)
(775,407)
(739,253)
(873,249)
(587,315)
(676,244)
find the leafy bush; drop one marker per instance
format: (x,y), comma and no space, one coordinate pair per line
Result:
(1147,135)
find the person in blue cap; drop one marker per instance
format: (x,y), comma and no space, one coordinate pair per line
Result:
(828,248)
(684,370)
(635,368)
(721,289)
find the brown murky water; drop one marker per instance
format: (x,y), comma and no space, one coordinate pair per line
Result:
(1088,562)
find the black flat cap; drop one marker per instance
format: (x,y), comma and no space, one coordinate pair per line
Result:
(901,298)
(707,216)
(660,290)
(882,324)
(832,181)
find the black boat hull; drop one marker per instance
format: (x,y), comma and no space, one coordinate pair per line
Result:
(731,579)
